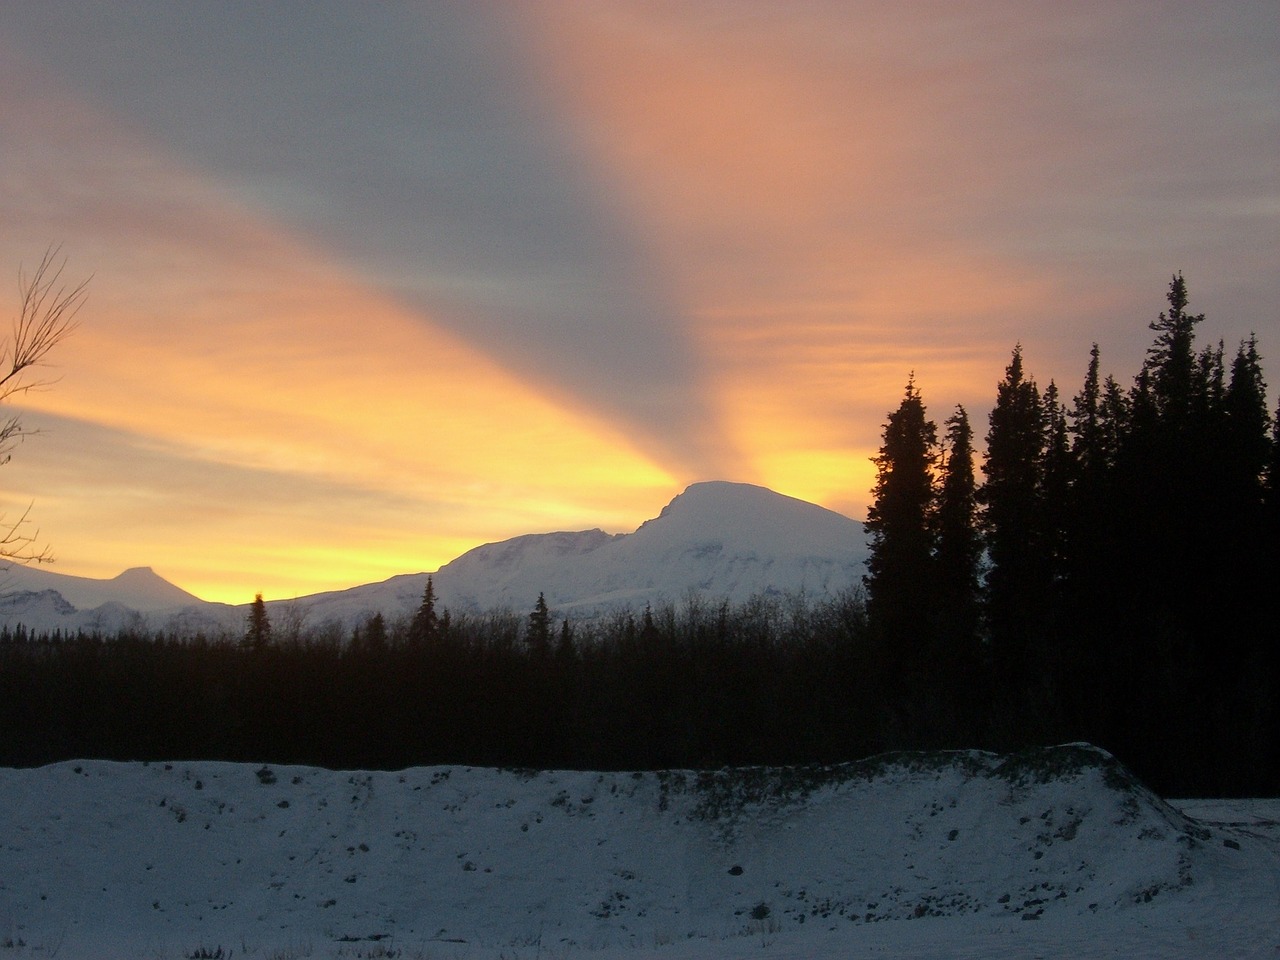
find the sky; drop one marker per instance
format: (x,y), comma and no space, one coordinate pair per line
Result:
(372,284)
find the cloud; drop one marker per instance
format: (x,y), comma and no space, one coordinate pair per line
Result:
(524,266)
(411,147)
(842,195)
(224,526)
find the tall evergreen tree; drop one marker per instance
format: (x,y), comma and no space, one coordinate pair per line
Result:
(957,573)
(958,554)
(538,633)
(898,523)
(1270,667)
(375,634)
(426,624)
(1086,418)
(1171,546)
(1018,579)
(1114,421)
(1238,652)
(1171,359)
(1271,486)
(1247,419)
(900,583)
(1091,576)
(257,634)
(1057,470)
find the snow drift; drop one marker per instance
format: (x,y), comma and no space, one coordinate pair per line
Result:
(102,858)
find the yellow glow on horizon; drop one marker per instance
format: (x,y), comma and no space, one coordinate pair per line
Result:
(251,413)
(281,426)
(784,225)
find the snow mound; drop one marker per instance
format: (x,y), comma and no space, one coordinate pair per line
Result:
(106,858)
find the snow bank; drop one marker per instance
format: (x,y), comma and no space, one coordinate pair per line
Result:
(108,859)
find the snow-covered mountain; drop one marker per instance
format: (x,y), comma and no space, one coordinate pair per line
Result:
(44,601)
(139,588)
(717,539)
(722,540)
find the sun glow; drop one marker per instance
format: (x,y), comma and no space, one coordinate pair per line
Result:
(279,424)
(450,274)
(780,192)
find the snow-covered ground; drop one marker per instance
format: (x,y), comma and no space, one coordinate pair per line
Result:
(1055,854)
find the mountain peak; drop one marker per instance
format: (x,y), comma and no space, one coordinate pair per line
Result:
(718,538)
(137,575)
(756,517)
(727,496)
(138,588)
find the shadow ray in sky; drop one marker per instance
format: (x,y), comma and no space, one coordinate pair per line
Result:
(413,145)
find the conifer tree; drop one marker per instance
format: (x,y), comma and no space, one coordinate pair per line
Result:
(1246,417)
(958,553)
(375,634)
(1086,418)
(1057,469)
(1271,487)
(1092,537)
(566,652)
(1171,544)
(1239,656)
(1115,417)
(258,631)
(1171,359)
(426,625)
(538,634)
(1017,581)
(957,572)
(899,523)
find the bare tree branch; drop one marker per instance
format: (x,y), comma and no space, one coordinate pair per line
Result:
(47,317)
(19,546)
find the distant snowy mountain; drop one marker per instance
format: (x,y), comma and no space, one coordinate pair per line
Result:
(717,540)
(45,601)
(139,588)
(721,540)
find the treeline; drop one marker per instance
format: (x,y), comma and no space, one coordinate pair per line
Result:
(1106,571)
(1113,577)
(696,685)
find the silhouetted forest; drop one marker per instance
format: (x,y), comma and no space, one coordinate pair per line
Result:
(1105,571)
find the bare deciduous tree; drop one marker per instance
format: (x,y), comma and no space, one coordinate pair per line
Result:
(46,318)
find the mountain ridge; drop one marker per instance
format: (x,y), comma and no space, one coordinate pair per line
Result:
(145,589)
(719,539)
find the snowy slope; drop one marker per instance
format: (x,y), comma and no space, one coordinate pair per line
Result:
(139,588)
(719,540)
(45,601)
(1056,853)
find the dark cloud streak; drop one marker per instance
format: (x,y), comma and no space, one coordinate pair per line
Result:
(410,143)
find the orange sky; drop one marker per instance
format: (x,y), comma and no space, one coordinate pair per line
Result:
(440,276)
